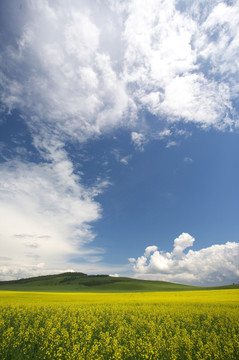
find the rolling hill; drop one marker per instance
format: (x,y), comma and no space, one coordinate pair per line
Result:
(80,282)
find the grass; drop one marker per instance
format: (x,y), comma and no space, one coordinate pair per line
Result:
(79,282)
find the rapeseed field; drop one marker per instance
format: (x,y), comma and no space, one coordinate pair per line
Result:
(179,325)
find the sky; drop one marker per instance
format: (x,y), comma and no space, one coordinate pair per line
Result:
(119,139)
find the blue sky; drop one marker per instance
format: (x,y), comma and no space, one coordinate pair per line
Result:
(119,139)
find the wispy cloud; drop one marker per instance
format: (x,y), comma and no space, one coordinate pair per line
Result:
(120,158)
(165,133)
(125,160)
(172,143)
(187,159)
(215,265)
(45,208)
(139,140)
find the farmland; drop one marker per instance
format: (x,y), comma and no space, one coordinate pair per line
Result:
(157,325)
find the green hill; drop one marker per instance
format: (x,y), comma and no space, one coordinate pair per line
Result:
(80,282)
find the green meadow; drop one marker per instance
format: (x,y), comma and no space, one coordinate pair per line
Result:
(79,282)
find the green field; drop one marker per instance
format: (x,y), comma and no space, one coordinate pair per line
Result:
(79,282)
(193,325)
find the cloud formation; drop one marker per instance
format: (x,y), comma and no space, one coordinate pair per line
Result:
(215,265)
(63,79)
(100,66)
(139,140)
(75,70)
(172,60)
(45,214)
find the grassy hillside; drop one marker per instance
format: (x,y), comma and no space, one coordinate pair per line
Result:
(79,282)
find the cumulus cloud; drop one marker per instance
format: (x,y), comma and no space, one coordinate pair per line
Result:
(173,61)
(149,250)
(62,79)
(83,74)
(215,265)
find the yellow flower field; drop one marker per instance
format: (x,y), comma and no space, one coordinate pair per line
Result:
(89,326)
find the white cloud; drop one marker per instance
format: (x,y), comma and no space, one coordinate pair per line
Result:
(18,271)
(63,82)
(222,26)
(125,160)
(164,133)
(194,98)
(171,136)
(172,143)
(215,265)
(169,66)
(139,140)
(45,215)
(122,159)
(83,74)
(62,76)
(181,132)
(187,159)
(79,69)
(149,250)
(181,243)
